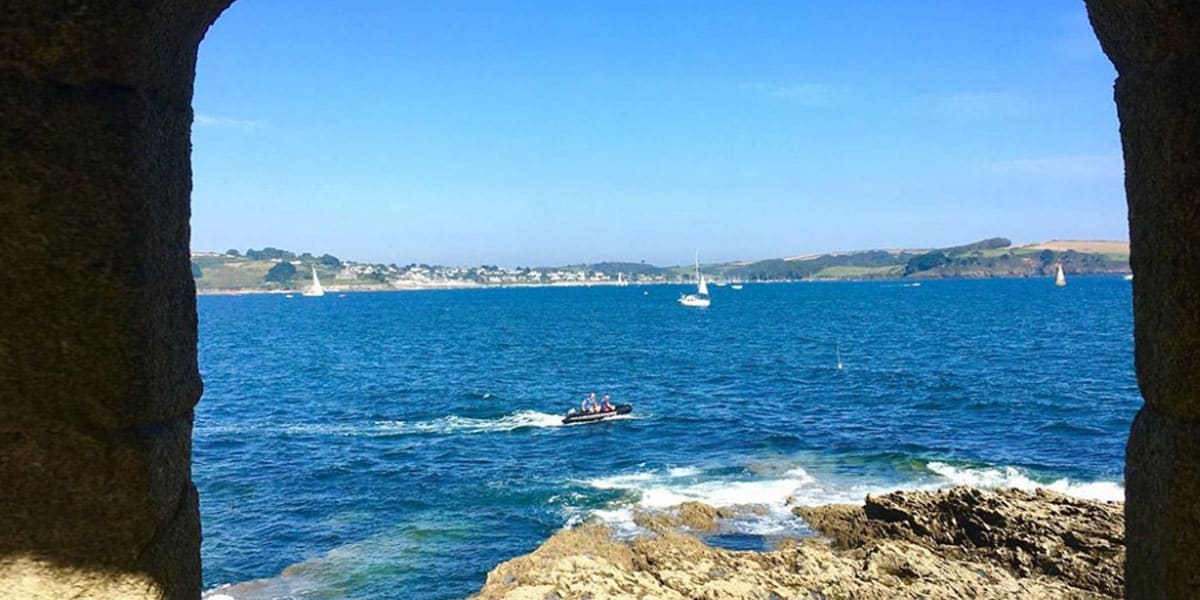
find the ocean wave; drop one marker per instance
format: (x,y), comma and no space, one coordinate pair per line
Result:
(793,485)
(664,489)
(1011,477)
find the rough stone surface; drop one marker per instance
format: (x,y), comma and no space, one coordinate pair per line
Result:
(97,320)
(1155,47)
(1029,533)
(698,516)
(958,544)
(1162,472)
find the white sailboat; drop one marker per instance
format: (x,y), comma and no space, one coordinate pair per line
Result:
(700,299)
(1059,279)
(621,281)
(316,290)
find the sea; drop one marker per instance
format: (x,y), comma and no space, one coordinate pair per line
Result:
(402,444)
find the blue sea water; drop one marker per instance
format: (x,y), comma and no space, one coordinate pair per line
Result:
(384,445)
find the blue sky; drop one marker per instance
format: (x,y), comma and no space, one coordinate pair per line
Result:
(537,133)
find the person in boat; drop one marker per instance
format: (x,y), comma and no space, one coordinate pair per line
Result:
(607,406)
(590,405)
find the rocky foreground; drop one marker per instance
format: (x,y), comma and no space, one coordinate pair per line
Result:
(958,543)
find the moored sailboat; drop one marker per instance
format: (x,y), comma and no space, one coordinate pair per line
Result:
(700,299)
(1059,278)
(315,290)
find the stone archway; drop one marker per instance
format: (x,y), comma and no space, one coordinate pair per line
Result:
(98,373)
(1155,47)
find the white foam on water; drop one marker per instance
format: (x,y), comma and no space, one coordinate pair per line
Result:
(619,481)
(716,492)
(665,489)
(456,424)
(660,490)
(1011,477)
(442,425)
(683,471)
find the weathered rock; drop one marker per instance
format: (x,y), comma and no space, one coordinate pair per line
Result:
(698,516)
(905,545)
(1029,533)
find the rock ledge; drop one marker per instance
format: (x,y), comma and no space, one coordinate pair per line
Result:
(958,543)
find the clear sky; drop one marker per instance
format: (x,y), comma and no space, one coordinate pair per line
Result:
(542,133)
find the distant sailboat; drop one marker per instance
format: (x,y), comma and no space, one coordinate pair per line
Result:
(736,286)
(621,281)
(838,350)
(316,290)
(1059,279)
(700,299)
(1129,277)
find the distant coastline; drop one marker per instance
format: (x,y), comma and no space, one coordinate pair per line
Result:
(335,290)
(275,271)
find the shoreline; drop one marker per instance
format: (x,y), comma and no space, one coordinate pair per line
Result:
(953,543)
(940,544)
(334,289)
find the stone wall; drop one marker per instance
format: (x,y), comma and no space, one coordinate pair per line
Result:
(98,372)
(1155,47)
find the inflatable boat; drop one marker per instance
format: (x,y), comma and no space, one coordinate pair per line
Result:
(575,416)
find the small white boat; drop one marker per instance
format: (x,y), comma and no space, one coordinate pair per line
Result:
(1059,278)
(621,281)
(1129,277)
(700,299)
(735,286)
(316,290)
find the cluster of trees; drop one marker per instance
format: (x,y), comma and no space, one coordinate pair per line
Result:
(281,272)
(628,268)
(270,253)
(940,258)
(779,269)
(925,262)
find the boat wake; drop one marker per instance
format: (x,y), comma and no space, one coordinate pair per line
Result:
(455,424)
(448,425)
